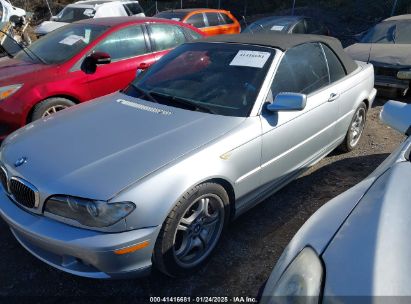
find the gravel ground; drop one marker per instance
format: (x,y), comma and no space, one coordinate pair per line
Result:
(249,248)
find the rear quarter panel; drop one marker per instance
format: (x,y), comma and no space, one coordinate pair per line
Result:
(354,89)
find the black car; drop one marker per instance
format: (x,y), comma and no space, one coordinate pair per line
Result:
(288,24)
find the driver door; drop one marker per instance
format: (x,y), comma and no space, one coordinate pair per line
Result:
(292,140)
(127,48)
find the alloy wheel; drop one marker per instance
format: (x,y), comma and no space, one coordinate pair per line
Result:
(198,230)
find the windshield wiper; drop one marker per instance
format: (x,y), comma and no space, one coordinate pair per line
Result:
(185,102)
(144,93)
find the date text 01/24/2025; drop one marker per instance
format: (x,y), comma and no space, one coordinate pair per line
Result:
(203,300)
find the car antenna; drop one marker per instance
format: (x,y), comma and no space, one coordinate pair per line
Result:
(369,53)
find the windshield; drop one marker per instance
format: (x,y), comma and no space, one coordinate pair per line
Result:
(215,77)
(267,25)
(72,14)
(389,32)
(64,43)
(177,16)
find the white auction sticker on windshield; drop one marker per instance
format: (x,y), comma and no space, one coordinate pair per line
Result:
(252,59)
(72,39)
(278,28)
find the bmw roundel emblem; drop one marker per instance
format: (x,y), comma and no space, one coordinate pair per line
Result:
(21,161)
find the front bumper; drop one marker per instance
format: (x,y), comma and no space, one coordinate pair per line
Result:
(79,251)
(11,116)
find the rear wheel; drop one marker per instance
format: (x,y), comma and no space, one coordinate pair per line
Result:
(355,129)
(192,230)
(50,106)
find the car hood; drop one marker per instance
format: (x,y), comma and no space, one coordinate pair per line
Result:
(96,149)
(386,54)
(370,254)
(48,26)
(12,70)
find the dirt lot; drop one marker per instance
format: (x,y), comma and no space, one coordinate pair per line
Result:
(249,248)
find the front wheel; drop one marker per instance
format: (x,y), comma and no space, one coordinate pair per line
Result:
(50,106)
(355,129)
(192,230)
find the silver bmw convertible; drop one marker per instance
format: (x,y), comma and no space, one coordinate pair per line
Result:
(152,174)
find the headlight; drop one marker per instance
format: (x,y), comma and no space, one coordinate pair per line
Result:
(300,282)
(88,212)
(7,91)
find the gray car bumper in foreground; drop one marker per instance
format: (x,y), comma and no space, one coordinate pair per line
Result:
(78,251)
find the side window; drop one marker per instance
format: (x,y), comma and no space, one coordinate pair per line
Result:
(337,70)
(196,20)
(166,36)
(192,35)
(125,43)
(312,26)
(299,28)
(303,69)
(212,19)
(133,8)
(225,19)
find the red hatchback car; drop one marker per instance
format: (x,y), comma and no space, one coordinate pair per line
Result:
(79,62)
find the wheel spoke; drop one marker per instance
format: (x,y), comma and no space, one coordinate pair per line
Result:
(199,244)
(187,221)
(186,246)
(182,227)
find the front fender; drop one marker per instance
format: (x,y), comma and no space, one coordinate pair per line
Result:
(228,158)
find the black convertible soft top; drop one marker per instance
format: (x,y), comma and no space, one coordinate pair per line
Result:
(285,41)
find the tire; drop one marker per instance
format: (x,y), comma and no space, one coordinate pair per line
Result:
(355,129)
(50,106)
(190,233)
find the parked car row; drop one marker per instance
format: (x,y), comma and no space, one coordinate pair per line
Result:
(385,45)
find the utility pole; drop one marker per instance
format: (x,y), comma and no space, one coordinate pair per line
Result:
(292,11)
(48,5)
(181,3)
(394,8)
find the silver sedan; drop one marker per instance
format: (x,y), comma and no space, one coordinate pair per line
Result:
(153,173)
(355,248)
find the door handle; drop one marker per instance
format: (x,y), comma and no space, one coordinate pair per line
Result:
(143,66)
(333,96)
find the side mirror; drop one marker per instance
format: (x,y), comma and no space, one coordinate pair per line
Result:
(397,115)
(53,18)
(288,102)
(90,63)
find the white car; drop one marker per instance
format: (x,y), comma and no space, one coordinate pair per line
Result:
(90,9)
(8,10)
